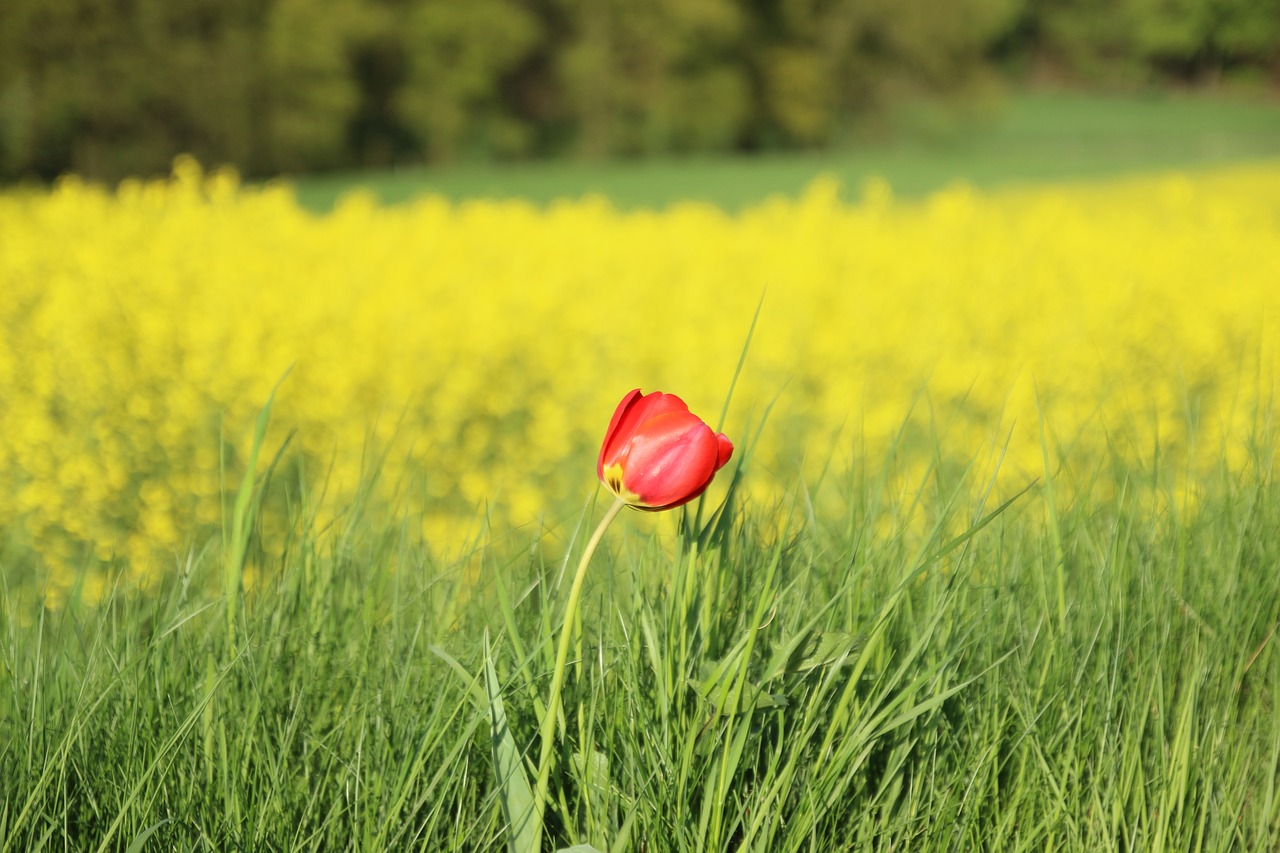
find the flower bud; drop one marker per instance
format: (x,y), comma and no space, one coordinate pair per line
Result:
(657,455)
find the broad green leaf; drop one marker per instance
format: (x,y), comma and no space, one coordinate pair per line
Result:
(592,772)
(810,650)
(753,698)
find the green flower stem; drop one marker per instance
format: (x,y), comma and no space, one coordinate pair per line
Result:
(557,675)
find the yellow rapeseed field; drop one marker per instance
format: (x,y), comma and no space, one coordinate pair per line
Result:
(482,346)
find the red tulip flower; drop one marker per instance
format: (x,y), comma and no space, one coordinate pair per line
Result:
(657,454)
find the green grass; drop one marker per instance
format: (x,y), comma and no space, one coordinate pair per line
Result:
(923,668)
(908,667)
(1028,138)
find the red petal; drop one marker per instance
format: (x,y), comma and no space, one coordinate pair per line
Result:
(670,460)
(613,428)
(633,411)
(724,450)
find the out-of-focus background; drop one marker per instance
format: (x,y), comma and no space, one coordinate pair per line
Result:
(1026,210)
(108,90)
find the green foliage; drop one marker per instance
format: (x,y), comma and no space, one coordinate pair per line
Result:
(308,93)
(458,53)
(937,667)
(1140,41)
(114,89)
(822,62)
(1037,137)
(518,808)
(655,77)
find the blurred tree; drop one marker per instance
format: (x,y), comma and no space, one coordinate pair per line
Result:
(1143,41)
(458,53)
(821,60)
(17,95)
(309,91)
(1199,39)
(376,133)
(646,77)
(59,90)
(113,89)
(1092,38)
(121,87)
(706,96)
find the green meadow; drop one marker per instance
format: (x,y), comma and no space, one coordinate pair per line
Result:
(882,656)
(926,670)
(1027,138)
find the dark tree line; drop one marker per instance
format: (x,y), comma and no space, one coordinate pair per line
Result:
(115,87)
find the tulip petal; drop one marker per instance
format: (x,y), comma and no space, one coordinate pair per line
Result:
(670,459)
(633,411)
(724,450)
(618,414)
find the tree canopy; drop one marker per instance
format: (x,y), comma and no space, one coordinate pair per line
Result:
(118,88)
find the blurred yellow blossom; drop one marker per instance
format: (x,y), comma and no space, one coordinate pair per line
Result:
(481,345)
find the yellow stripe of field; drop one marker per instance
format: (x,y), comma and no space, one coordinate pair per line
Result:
(483,345)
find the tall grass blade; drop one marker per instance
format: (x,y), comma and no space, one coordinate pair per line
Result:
(742,360)
(139,843)
(1055,528)
(724,414)
(515,794)
(163,757)
(246,507)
